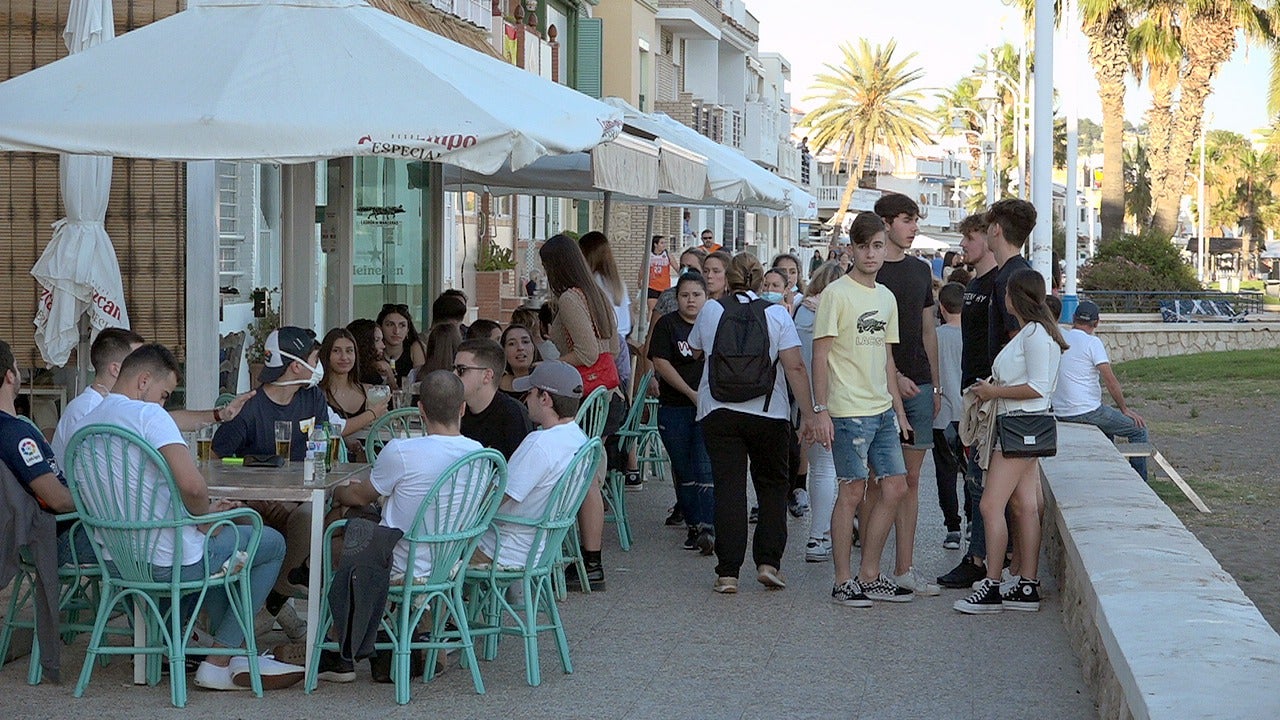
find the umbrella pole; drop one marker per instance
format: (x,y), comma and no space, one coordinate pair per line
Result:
(642,283)
(608,211)
(82,355)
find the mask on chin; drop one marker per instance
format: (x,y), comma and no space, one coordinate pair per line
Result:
(317,373)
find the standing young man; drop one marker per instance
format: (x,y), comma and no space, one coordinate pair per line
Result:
(916,358)
(1009,224)
(975,363)
(853,380)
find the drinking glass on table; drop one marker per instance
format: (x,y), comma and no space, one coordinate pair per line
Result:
(284,438)
(378,394)
(204,444)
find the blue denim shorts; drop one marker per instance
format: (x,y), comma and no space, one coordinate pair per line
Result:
(919,411)
(862,442)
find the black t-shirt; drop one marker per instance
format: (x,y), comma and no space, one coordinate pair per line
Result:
(975,359)
(670,341)
(911,282)
(999,322)
(253,430)
(501,426)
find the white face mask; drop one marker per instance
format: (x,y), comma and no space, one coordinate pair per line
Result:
(317,373)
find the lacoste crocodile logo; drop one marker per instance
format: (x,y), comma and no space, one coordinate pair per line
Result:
(867,322)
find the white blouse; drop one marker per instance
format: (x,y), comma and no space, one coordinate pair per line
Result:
(1030,358)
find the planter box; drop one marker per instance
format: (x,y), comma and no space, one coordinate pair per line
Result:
(491,287)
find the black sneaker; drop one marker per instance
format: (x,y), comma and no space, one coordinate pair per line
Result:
(706,542)
(380,661)
(595,577)
(983,601)
(333,668)
(849,594)
(1023,596)
(632,480)
(886,590)
(675,519)
(963,575)
(691,540)
(753,516)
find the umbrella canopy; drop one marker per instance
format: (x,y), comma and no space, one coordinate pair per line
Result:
(78,270)
(294,81)
(924,242)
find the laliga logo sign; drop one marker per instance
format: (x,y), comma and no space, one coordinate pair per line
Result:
(414,146)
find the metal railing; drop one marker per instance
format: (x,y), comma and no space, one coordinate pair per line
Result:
(1123,301)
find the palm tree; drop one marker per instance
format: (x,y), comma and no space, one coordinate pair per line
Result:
(1106,24)
(1155,44)
(1254,200)
(1208,37)
(1137,180)
(868,102)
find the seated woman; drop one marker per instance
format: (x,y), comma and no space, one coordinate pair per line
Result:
(371,366)
(522,355)
(343,390)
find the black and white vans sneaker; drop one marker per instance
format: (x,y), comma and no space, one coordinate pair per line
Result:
(849,594)
(985,599)
(886,590)
(1023,596)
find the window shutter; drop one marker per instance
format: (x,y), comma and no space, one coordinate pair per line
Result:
(587,56)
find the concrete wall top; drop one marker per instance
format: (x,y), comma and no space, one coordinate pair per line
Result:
(1181,636)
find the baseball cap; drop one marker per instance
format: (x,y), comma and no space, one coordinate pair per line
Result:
(1085,312)
(282,347)
(553,376)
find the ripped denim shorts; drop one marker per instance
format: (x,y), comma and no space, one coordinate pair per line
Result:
(867,442)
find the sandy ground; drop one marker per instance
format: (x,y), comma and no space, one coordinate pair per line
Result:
(1221,437)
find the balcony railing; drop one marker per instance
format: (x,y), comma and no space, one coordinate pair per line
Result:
(476,12)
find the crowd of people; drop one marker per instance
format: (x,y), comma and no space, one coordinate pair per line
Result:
(825,394)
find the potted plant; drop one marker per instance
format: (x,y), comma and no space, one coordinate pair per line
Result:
(258,331)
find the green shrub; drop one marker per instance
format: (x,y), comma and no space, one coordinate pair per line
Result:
(1147,261)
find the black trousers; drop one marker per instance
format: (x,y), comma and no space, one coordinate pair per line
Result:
(733,438)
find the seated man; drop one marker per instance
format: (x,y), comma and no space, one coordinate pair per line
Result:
(1078,399)
(110,349)
(136,403)
(555,391)
(24,450)
(493,419)
(288,392)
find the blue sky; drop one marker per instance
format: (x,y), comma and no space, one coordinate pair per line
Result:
(949,35)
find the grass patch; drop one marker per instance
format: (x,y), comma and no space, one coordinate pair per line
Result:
(1216,366)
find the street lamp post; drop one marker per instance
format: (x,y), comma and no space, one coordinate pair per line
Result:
(1042,147)
(988,146)
(1201,226)
(1070,103)
(989,96)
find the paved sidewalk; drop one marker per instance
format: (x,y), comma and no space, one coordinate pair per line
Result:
(660,644)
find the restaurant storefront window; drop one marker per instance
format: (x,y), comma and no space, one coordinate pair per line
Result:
(391,226)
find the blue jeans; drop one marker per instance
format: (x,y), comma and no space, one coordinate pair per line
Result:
(262,575)
(868,443)
(76,538)
(973,489)
(690,465)
(1114,423)
(919,410)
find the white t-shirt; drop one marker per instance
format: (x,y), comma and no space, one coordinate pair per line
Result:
(157,428)
(1078,391)
(621,308)
(405,471)
(950,350)
(532,473)
(782,336)
(1030,358)
(72,420)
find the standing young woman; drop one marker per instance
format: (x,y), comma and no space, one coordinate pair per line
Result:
(521,353)
(822,468)
(370,363)
(714,267)
(402,347)
(753,430)
(595,248)
(679,371)
(343,390)
(586,335)
(660,269)
(1023,378)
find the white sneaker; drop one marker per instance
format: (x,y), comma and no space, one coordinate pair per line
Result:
(916,582)
(276,675)
(1007,581)
(817,550)
(216,677)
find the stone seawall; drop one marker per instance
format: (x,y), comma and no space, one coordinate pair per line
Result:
(1135,340)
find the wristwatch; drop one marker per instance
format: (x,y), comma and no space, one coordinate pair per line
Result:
(937,391)
(819,408)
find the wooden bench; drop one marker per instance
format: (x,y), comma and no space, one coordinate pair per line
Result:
(1132,450)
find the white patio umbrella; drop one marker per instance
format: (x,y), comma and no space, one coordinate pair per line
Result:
(293,81)
(78,270)
(924,242)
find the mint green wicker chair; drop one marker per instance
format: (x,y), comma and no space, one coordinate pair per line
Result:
(493,613)
(104,464)
(402,423)
(592,414)
(452,517)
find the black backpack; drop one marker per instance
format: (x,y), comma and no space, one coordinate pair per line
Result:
(740,368)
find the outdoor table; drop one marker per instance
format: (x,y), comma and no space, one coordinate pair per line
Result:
(282,484)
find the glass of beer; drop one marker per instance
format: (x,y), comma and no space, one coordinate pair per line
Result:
(331,457)
(284,437)
(204,444)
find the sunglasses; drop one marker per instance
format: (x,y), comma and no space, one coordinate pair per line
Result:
(461,370)
(396,307)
